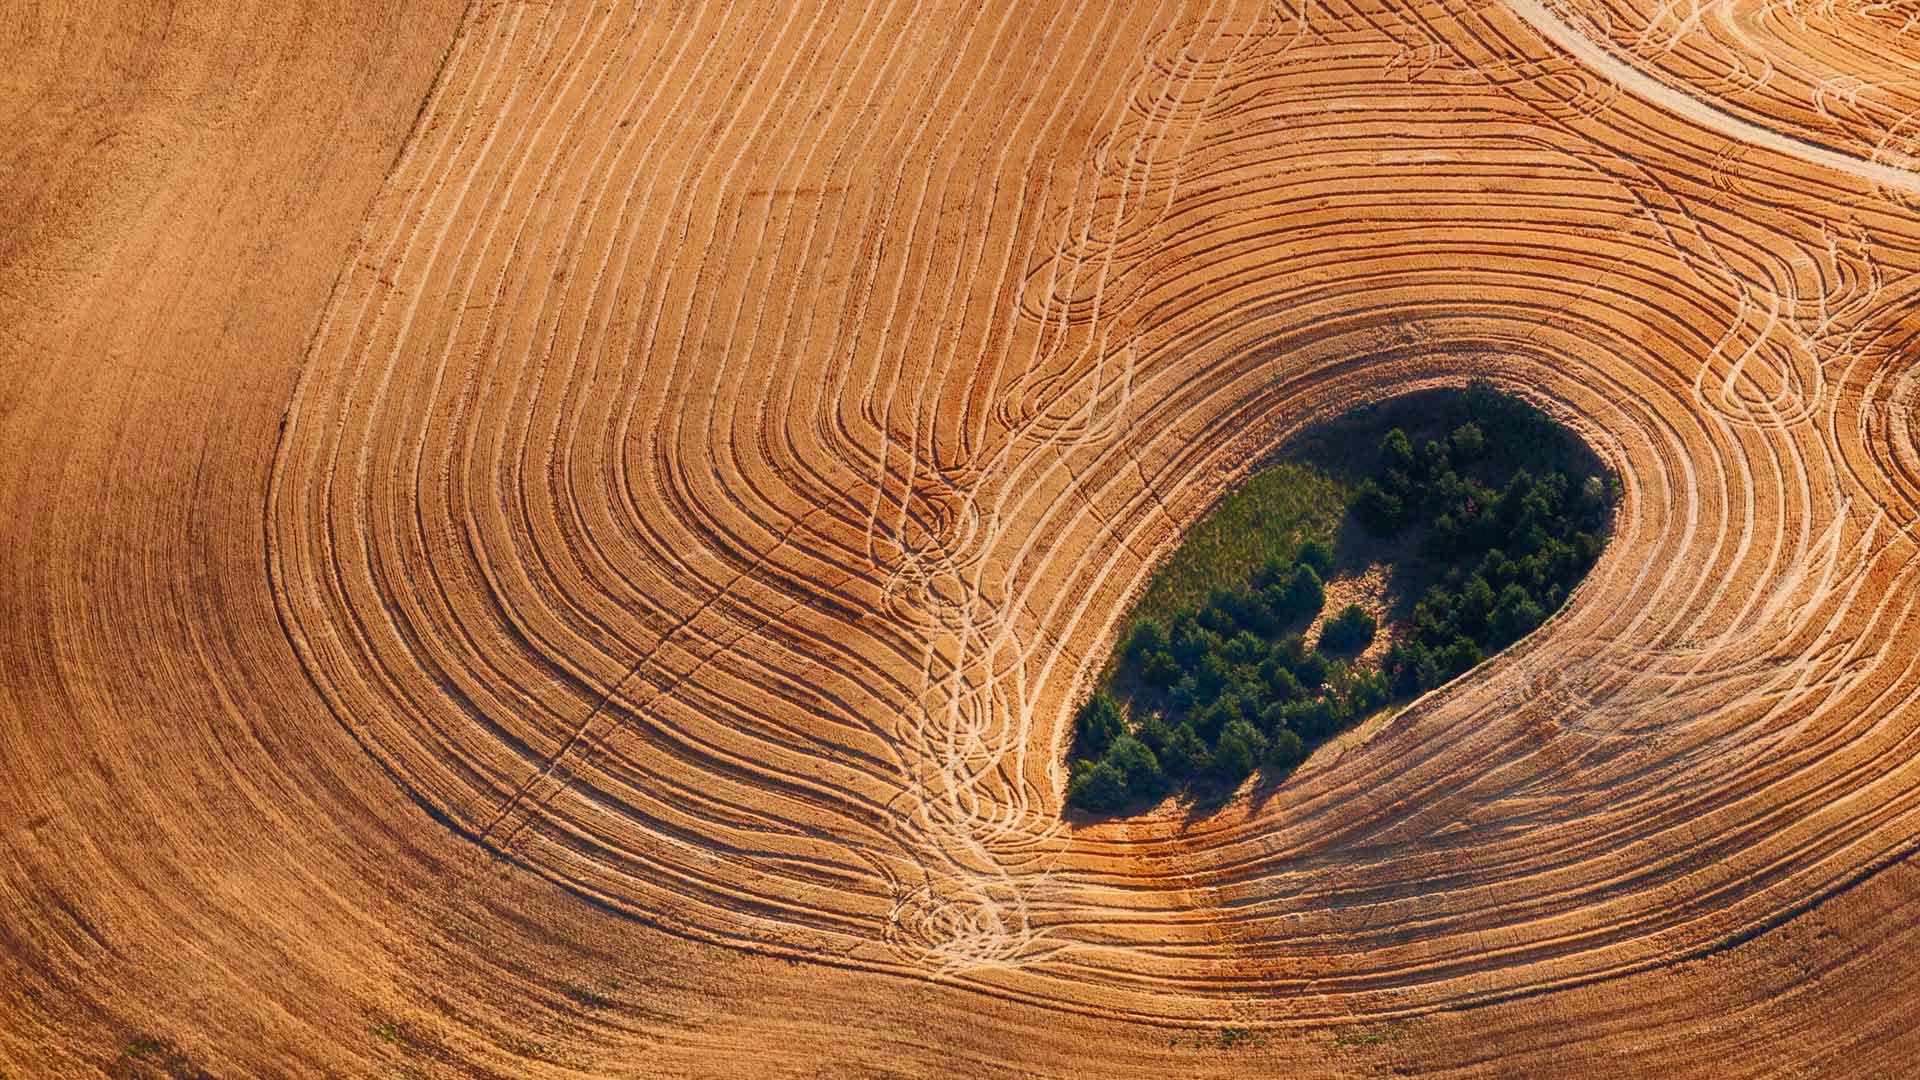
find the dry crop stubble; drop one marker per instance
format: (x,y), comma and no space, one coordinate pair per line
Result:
(732,439)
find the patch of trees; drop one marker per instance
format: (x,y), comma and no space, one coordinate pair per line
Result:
(1512,552)
(1216,692)
(1226,689)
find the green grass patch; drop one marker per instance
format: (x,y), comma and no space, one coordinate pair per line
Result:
(1268,517)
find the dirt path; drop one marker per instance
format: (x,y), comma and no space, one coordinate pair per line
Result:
(1539,14)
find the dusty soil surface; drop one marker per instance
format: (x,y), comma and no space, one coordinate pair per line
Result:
(562,539)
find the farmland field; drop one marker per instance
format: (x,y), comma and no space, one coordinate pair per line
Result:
(566,539)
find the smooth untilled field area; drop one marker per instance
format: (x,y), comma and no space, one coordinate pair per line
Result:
(570,539)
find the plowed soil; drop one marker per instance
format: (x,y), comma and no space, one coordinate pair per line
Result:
(563,539)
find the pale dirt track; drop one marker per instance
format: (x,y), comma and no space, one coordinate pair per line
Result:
(551,496)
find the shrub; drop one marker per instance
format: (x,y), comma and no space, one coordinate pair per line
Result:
(1318,554)
(1379,510)
(1349,631)
(1304,592)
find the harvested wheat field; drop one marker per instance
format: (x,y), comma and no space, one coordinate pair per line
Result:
(565,540)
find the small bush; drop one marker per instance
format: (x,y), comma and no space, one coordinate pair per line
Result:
(1349,631)
(1304,594)
(1318,554)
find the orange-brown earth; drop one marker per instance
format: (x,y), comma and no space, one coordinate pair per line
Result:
(562,539)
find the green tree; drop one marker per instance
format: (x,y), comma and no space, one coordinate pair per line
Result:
(1311,670)
(1098,786)
(1435,468)
(1160,669)
(1515,615)
(1467,443)
(1460,655)
(1239,695)
(1367,692)
(1186,753)
(1190,640)
(1244,648)
(1403,664)
(1379,510)
(1239,751)
(1098,724)
(1212,676)
(1285,750)
(1282,684)
(1427,673)
(1155,732)
(1396,451)
(1147,637)
(1475,607)
(1139,765)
